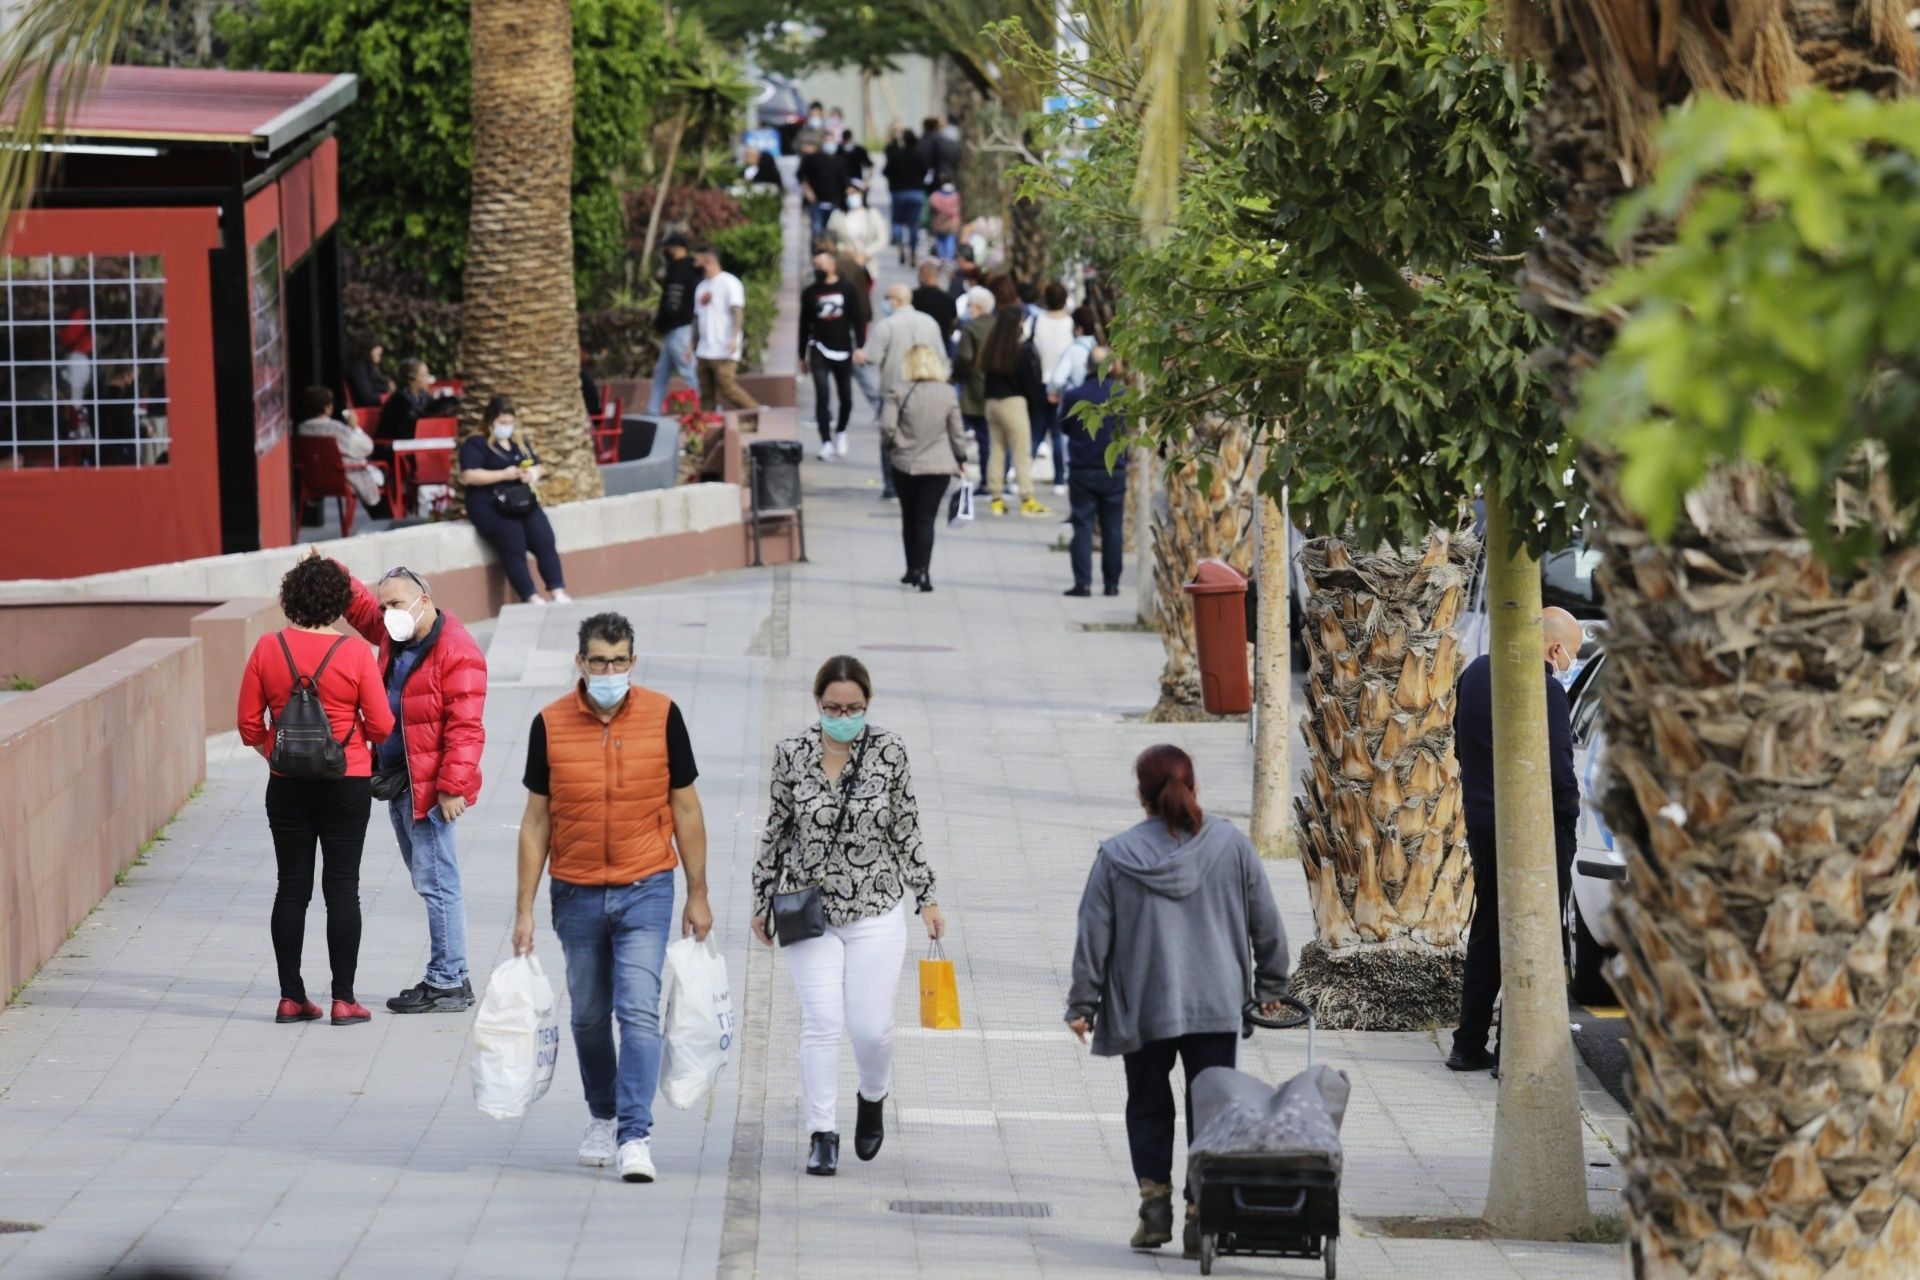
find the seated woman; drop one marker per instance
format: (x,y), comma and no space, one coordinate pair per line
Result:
(366,384)
(367,483)
(499,471)
(400,415)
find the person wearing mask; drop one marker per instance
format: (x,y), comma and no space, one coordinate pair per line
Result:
(935,301)
(366,383)
(814,129)
(304,812)
(614,823)
(761,169)
(891,337)
(1098,496)
(400,415)
(673,322)
(859,227)
(971,376)
(823,182)
(720,318)
(1052,333)
(1561,637)
(1010,384)
(859,161)
(843,818)
(833,324)
(499,469)
(356,446)
(428,769)
(943,218)
(925,445)
(906,173)
(1178,933)
(965,275)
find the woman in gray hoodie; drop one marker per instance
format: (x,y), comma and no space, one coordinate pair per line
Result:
(1178,931)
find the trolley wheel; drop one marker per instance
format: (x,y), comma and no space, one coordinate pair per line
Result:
(1206,1253)
(1326,1251)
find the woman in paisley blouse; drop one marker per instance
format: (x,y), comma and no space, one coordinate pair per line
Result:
(867,875)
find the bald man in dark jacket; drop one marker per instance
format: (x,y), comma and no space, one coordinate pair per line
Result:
(1473,747)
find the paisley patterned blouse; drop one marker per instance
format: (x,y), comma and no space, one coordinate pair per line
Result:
(877,859)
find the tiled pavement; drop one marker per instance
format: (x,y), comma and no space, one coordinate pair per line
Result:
(149,1110)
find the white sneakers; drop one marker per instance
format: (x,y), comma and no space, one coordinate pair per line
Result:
(827,453)
(840,443)
(596,1145)
(636,1160)
(560,595)
(1059,491)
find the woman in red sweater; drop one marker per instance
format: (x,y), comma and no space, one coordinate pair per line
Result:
(330,811)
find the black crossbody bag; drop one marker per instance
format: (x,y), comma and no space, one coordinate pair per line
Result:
(802,914)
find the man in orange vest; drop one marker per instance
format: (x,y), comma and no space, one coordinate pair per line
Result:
(610,799)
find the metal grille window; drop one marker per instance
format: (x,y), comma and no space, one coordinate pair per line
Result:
(83,368)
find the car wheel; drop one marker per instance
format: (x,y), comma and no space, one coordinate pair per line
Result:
(1586,960)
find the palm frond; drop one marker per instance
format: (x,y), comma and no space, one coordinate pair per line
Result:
(1173,41)
(50,52)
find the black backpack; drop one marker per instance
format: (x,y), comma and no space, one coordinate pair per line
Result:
(303,742)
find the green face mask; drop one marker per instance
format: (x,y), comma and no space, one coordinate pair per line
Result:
(843,728)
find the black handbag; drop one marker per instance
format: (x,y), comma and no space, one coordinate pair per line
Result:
(391,784)
(802,914)
(514,499)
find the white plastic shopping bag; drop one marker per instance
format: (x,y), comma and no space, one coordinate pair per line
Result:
(698,1022)
(516,1039)
(959,504)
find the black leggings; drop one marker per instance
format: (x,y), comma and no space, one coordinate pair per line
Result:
(1150,1096)
(919,513)
(838,373)
(333,812)
(512,537)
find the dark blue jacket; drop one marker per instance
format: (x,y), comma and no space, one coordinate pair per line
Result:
(1473,747)
(1089,450)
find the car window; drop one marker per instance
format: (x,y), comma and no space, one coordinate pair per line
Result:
(1587,687)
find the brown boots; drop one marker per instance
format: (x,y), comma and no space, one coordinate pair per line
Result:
(1190,1237)
(1156,1215)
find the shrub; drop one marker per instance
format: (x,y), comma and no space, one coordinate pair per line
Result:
(751,250)
(763,306)
(386,298)
(620,341)
(697,212)
(760,204)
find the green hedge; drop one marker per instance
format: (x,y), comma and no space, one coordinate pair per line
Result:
(750,250)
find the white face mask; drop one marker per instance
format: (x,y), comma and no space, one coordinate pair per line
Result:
(853,202)
(399,623)
(503,431)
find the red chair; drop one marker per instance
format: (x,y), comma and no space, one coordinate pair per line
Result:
(433,466)
(365,419)
(606,432)
(323,474)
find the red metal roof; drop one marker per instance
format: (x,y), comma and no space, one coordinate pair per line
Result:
(182,104)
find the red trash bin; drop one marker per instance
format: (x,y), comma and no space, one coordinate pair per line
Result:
(1220,635)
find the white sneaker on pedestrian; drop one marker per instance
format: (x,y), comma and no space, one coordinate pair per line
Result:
(596,1145)
(826,451)
(1059,491)
(636,1160)
(1044,451)
(536,599)
(840,442)
(560,595)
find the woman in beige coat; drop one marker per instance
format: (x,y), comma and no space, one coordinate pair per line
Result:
(921,433)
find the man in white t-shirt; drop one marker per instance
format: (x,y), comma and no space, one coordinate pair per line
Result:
(719,311)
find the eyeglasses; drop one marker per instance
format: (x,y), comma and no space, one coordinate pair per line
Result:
(601,666)
(403,572)
(837,711)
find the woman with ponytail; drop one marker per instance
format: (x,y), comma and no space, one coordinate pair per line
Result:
(1178,931)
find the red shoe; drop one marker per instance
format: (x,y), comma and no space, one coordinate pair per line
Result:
(297,1011)
(346,1013)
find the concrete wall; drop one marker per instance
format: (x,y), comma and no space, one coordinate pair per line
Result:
(44,639)
(90,767)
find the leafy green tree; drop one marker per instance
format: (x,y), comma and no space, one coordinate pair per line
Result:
(407,143)
(793,37)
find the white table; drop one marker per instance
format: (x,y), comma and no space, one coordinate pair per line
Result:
(430,444)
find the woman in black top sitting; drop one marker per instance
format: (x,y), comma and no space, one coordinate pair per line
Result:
(499,469)
(365,382)
(400,415)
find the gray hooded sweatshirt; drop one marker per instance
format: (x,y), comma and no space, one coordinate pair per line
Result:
(1177,932)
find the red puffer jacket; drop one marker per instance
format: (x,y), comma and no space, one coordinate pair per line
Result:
(441,707)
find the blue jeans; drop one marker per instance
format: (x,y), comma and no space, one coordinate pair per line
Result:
(426,846)
(615,940)
(819,213)
(1046,426)
(906,207)
(946,245)
(676,356)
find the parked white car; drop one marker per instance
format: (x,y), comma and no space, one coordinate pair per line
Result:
(1598,867)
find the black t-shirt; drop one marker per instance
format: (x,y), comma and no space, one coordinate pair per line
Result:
(681,770)
(833,316)
(934,301)
(677,287)
(825,175)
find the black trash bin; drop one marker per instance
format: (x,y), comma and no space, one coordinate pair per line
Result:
(773,486)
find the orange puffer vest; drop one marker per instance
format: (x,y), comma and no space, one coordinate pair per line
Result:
(607,788)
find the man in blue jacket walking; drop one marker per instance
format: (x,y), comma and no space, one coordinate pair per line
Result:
(1096,494)
(1473,747)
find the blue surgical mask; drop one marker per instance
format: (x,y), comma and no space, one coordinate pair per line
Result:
(886,306)
(608,690)
(843,728)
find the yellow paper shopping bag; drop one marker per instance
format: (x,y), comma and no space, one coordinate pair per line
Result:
(939,993)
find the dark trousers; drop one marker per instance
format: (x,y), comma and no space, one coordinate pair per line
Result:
(331,812)
(982,439)
(1150,1096)
(919,510)
(1482,981)
(512,537)
(1046,427)
(836,374)
(1103,498)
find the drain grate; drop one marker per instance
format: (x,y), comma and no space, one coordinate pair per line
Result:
(8,1227)
(974,1208)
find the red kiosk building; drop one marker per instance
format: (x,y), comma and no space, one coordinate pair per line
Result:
(174,285)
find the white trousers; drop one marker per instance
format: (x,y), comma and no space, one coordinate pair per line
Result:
(846,979)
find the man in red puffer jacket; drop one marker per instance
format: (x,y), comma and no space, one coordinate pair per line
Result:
(429,767)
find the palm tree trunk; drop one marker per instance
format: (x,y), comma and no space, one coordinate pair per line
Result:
(1271,830)
(1382,835)
(663,188)
(519,331)
(1763,766)
(1194,525)
(1026,241)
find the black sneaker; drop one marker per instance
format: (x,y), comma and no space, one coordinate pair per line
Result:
(1471,1060)
(1078,592)
(422,998)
